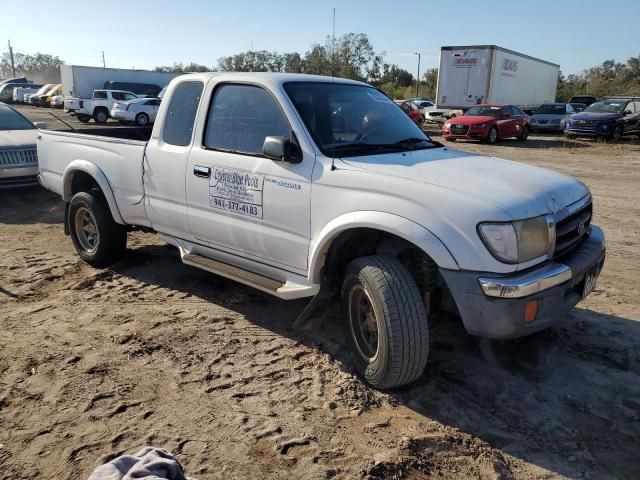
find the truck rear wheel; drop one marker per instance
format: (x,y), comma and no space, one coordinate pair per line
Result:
(385,322)
(83,118)
(101,115)
(98,239)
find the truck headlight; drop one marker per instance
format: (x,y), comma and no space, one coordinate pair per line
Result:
(518,242)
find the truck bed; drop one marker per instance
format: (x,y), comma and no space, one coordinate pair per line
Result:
(116,152)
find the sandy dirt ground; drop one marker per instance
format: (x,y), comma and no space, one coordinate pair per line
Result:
(96,363)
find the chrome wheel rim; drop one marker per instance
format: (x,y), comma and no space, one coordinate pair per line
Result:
(87,230)
(493,135)
(363,323)
(142,120)
(102,117)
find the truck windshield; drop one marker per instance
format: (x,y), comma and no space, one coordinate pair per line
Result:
(352,120)
(609,106)
(483,111)
(12,120)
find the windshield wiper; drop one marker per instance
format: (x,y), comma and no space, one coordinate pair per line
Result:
(341,147)
(407,142)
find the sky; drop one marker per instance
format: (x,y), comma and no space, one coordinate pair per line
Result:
(144,34)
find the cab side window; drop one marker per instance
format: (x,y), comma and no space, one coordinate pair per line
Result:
(241,117)
(181,114)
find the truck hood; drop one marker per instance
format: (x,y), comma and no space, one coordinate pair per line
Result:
(18,138)
(520,191)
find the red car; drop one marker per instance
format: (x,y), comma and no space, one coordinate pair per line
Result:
(488,123)
(412,110)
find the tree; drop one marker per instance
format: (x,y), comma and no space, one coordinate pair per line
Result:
(180,68)
(41,66)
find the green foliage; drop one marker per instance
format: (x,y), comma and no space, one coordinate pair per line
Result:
(349,56)
(180,68)
(39,67)
(609,78)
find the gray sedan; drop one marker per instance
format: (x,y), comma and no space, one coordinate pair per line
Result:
(551,117)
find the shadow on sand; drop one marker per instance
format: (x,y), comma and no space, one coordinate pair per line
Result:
(565,399)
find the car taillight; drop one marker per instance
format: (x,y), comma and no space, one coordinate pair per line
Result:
(81,104)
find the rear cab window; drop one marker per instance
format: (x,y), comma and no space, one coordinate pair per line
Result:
(181,113)
(100,95)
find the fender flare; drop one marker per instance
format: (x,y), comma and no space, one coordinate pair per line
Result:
(100,178)
(383,221)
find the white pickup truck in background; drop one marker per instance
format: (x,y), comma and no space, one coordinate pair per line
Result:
(307,186)
(98,106)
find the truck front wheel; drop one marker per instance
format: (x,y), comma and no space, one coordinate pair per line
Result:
(385,322)
(98,239)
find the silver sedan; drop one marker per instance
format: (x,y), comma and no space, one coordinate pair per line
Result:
(551,117)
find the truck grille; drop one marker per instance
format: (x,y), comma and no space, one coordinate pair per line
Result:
(18,157)
(585,123)
(571,230)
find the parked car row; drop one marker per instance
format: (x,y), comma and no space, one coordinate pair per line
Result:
(582,116)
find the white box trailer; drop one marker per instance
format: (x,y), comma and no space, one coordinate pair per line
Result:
(80,81)
(470,75)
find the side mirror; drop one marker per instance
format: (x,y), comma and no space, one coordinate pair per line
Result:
(281,149)
(627,112)
(40,125)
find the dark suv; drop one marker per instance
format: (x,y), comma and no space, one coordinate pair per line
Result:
(611,118)
(586,99)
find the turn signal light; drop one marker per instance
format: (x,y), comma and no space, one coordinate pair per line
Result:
(531,310)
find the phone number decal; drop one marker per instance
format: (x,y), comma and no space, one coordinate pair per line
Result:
(236,191)
(237,207)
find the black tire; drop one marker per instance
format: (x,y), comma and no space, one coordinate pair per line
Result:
(396,311)
(524,134)
(83,118)
(616,135)
(101,115)
(110,238)
(492,138)
(142,119)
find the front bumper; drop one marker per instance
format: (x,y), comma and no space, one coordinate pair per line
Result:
(472,134)
(493,306)
(18,176)
(551,127)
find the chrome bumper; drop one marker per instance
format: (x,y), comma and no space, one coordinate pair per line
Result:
(544,278)
(526,284)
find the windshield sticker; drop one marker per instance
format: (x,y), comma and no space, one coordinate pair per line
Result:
(378,97)
(236,191)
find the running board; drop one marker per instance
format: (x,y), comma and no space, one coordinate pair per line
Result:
(255,280)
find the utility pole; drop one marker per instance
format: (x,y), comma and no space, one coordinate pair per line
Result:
(104,65)
(418,79)
(13,66)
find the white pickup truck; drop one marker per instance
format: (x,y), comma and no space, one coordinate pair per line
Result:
(98,106)
(308,186)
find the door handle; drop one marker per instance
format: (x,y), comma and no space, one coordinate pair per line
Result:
(204,172)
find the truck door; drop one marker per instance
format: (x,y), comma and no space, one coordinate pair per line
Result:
(166,161)
(239,200)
